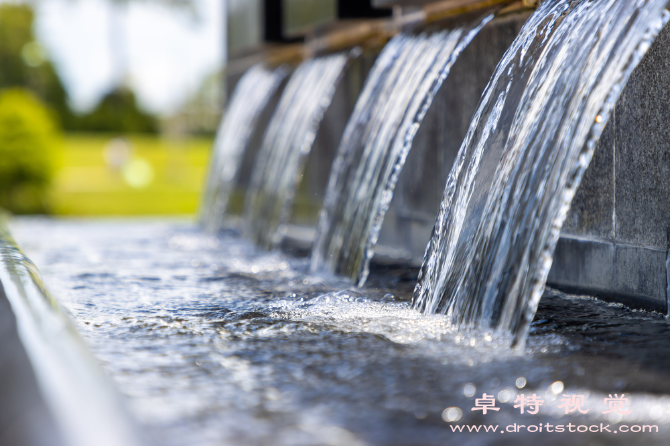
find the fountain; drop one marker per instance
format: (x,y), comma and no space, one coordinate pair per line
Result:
(251,97)
(286,145)
(214,341)
(375,144)
(521,163)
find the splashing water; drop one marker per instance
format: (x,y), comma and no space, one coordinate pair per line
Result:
(523,158)
(251,96)
(286,145)
(216,343)
(378,137)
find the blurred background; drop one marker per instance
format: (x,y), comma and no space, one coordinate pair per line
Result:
(108,107)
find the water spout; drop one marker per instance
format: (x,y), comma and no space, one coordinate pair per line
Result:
(251,96)
(286,145)
(378,137)
(523,158)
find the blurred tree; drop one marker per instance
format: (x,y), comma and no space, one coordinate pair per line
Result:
(28,143)
(118,112)
(25,63)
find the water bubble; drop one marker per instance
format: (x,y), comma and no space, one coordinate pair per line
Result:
(272,394)
(520,382)
(614,417)
(473,342)
(138,173)
(549,396)
(504,395)
(656,412)
(488,338)
(255,269)
(469,390)
(599,119)
(213,242)
(33,54)
(420,414)
(451,414)
(557,387)
(283,266)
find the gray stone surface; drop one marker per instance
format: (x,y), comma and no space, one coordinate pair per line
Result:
(624,197)
(25,419)
(642,150)
(625,193)
(633,275)
(592,211)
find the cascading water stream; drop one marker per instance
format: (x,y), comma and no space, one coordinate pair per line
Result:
(523,158)
(251,96)
(375,144)
(287,143)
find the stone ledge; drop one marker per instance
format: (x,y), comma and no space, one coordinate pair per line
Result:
(633,275)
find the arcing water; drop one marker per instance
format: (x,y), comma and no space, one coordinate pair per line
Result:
(250,98)
(378,137)
(523,158)
(286,145)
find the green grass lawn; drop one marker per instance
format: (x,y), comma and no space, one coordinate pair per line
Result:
(159,176)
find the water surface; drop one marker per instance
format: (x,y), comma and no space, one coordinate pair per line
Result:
(214,342)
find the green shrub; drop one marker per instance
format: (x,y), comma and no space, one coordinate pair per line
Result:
(28,144)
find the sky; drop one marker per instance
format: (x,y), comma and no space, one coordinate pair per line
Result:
(167,52)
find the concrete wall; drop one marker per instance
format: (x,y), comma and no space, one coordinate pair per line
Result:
(616,237)
(25,419)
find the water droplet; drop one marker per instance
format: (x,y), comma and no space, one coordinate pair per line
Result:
(504,395)
(656,412)
(520,382)
(614,417)
(469,390)
(557,387)
(451,414)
